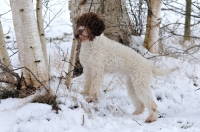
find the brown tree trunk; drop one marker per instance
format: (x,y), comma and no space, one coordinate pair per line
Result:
(187,20)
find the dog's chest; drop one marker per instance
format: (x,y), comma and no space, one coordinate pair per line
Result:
(91,53)
(85,53)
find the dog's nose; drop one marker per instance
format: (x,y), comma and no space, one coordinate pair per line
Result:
(80,31)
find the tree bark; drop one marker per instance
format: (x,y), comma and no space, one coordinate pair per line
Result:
(117,21)
(30,50)
(187,20)
(72,63)
(4,57)
(41,29)
(152,27)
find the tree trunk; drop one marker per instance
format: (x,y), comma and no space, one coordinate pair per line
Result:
(187,20)
(152,27)
(4,57)
(71,64)
(117,21)
(41,29)
(30,50)
(114,12)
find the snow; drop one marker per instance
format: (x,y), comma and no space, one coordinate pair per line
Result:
(176,94)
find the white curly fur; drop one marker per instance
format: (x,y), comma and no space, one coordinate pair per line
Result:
(103,55)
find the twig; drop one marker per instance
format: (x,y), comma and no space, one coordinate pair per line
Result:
(83,121)
(4,13)
(13,54)
(35,78)
(6,69)
(197,89)
(8,81)
(137,122)
(121,110)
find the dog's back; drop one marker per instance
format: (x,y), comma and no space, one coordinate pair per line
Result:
(113,56)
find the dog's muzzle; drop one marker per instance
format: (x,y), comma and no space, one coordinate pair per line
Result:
(78,32)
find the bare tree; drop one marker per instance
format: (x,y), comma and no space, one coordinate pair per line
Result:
(30,50)
(153,24)
(137,9)
(4,57)
(187,20)
(177,28)
(41,29)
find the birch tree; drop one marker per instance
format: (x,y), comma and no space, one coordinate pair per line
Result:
(152,26)
(41,29)
(30,50)
(4,57)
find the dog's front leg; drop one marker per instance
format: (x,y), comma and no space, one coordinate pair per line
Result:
(96,80)
(87,84)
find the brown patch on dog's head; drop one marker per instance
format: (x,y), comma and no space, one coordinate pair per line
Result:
(93,23)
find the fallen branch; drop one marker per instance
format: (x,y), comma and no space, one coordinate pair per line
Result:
(34,77)
(137,122)
(11,72)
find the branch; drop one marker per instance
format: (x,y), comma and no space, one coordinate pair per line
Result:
(6,69)
(34,77)
(8,81)
(180,12)
(195,37)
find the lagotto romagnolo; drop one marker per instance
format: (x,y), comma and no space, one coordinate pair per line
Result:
(100,55)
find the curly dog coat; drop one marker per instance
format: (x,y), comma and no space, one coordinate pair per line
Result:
(100,55)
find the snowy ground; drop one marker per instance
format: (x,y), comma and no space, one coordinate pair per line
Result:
(178,102)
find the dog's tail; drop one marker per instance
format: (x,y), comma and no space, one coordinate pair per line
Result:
(162,72)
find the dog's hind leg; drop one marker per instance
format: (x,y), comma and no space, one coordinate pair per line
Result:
(96,80)
(139,106)
(143,92)
(87,84)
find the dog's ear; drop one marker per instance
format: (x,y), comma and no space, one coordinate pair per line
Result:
(93,21)
(96,24)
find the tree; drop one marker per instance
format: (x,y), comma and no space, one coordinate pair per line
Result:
(30,50)
(152,27)
(117,21)
(180,9)
(187,20)
(4,57)
(41,29)
(137,9)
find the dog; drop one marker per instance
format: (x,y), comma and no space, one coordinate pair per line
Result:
(100,55)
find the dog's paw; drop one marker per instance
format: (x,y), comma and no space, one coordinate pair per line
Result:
(91,99)
(151,118)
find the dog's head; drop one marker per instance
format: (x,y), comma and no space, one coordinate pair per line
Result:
(88,26)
